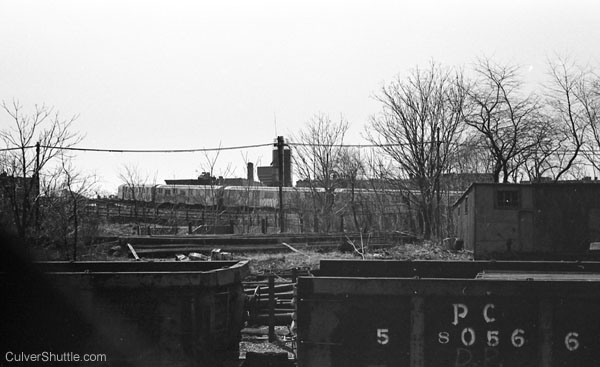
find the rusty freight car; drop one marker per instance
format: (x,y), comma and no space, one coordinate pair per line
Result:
(124,313)
(478,314)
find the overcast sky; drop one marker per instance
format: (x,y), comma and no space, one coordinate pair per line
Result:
(184,75)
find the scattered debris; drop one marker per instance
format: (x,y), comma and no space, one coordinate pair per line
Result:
(217,254)
(293,249)
(115,251)
(195,256)
(181,257)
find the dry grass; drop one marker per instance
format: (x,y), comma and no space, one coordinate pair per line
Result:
(266,262)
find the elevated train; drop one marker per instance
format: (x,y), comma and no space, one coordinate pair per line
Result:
(256,196)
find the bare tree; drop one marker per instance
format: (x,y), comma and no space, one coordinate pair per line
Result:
(210,168)
(137,188)
(419,128)
(574,100)
(545,153)
(497,110)
(472,156)
(590,102)
(66,194)
(569,102)
(351,169)
(32,141)
(318,157)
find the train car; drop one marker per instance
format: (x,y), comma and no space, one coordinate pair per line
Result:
(263,197)
(205,195)
(250,197)
(143,193)
(441,313)
(124,313)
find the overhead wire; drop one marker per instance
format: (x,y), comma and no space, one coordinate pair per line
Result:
(196,150)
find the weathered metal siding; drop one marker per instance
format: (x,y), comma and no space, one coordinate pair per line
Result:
(140,314)
(567,217)
(447,269)
(463,220)
(346,321)
(464,217)
(553,221)
(501,230)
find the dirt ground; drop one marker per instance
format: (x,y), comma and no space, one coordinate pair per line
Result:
(264,263)
(255,339)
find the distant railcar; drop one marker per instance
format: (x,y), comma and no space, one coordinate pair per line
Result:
(143,193)
(205,195)
(250,197)
(393,201)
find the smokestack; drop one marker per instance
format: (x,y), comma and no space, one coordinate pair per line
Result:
(250,172)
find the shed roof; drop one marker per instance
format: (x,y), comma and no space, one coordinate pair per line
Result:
(528,184)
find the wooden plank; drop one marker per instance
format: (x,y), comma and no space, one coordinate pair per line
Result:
(135,255)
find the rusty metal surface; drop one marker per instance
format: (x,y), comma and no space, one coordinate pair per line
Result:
(362,321)
(537,275)
(152,317)
(134,275)
(130,266)
(445,269)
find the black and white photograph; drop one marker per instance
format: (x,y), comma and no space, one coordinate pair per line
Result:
(300,183)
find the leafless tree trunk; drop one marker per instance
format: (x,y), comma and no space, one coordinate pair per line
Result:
(574,101)
(66,193)
(35,139)
(209,166)
(79,188)
(351,169)
(496,109)
(318,159)
(568,102)
(136,183)
(419,128)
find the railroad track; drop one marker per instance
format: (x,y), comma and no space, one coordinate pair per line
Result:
(165,246)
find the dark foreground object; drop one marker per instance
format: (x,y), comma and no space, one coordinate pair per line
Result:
(254,359)
(133,313)
(428,314)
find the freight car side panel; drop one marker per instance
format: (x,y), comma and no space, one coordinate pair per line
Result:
(136,314)
(447,322)
(334,331)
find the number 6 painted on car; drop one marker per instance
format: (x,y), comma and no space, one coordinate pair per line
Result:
(517,338)
(571,341)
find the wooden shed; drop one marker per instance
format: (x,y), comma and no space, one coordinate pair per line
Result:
(529,221)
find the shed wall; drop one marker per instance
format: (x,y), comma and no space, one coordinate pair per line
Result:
(567,217)
(501,230)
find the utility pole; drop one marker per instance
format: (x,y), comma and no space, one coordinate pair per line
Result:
(36,177)
(280,166)
(438,171)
